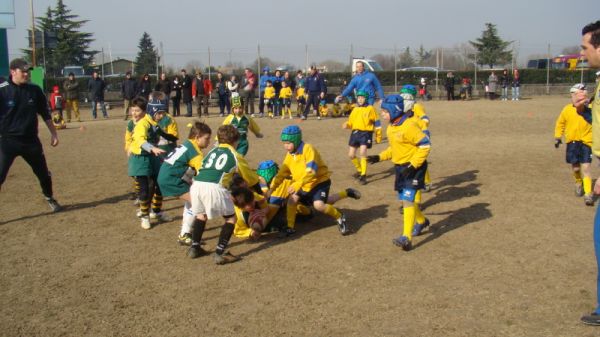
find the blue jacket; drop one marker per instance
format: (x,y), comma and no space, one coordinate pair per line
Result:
(263,81)
(367,82)
(315,84)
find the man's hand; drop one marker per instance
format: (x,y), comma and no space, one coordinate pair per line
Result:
(373,159)
(54,140)
(557,142)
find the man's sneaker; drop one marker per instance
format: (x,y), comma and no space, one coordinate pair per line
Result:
(286,231)
(303,118)
(146,222)
(221,115)
(591,319)
(352,193)
(589,199)
(195,251)
(579,190)
(403,242)
(54,205)
(162,217)
(225,258)
(185,239)
(319,117)
(418,228)
(343,226)
(252,115)
(362,180)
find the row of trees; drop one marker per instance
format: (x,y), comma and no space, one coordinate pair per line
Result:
(73,48)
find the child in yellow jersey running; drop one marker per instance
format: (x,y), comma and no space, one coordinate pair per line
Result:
(300,100)
(285,99)
(310,180)
(575,123)
(409,93)
(363,121)
(408,150)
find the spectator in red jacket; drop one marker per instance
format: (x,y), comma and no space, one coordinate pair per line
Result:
(201,92)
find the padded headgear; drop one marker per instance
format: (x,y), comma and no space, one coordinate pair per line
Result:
(362,93)
(409,89)
(155,105)
(292,134)
(394,105)
(267,169)
(236,102)
(409,101)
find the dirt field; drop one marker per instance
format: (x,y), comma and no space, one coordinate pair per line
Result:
(509,252)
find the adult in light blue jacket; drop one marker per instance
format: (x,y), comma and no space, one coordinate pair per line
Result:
(364,81)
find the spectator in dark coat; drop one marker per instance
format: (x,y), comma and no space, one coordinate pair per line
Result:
(71,87)
(96,88)
(186,92)
(176,98)
(145,86)
(449,85)
(316,90)
(128,91)
(164,85)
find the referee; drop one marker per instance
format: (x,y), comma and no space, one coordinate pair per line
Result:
(20,103)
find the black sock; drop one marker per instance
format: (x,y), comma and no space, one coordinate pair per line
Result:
(197,230)
(226,233)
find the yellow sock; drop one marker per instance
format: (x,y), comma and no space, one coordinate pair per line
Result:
(356,163)
(419,217)
(363,166)
(302,210)
(577,176)
(587,185)
(427,177)
(342,194)
(332,211)
(409,221)
(418,197)
(271,211)
(291,215)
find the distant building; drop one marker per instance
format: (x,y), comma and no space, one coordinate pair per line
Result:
(117,67)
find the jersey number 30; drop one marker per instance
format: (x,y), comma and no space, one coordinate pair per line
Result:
(219,163)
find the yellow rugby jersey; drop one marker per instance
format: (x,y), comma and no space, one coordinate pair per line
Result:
(300,92)
(596,122)
(365,118)
(285,92)
(141,134)
(241,229)
(269,92)
(196,162)
(306,168)
(168,125)
(573,126)
(420,116)
(408,144)
(129,134)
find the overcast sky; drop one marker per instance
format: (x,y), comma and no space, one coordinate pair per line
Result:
(233,28)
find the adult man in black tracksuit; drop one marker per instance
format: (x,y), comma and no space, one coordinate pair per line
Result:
(129,91)
(96,88)
(186,91)
(316,90)
(20,103)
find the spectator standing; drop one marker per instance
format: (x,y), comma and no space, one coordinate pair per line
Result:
(128,91)
(277,79)
(20,105)
(590,45)
(201,91)
(164,85)
(145,86)
(222,89)
(516,85)
(71,87)
(233,86)
(96,88)
(505,82)
(247,93)
(266,76)
(365,81)
(176,95)
(449,85)
(316,90)
(492,84)
(186,92)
